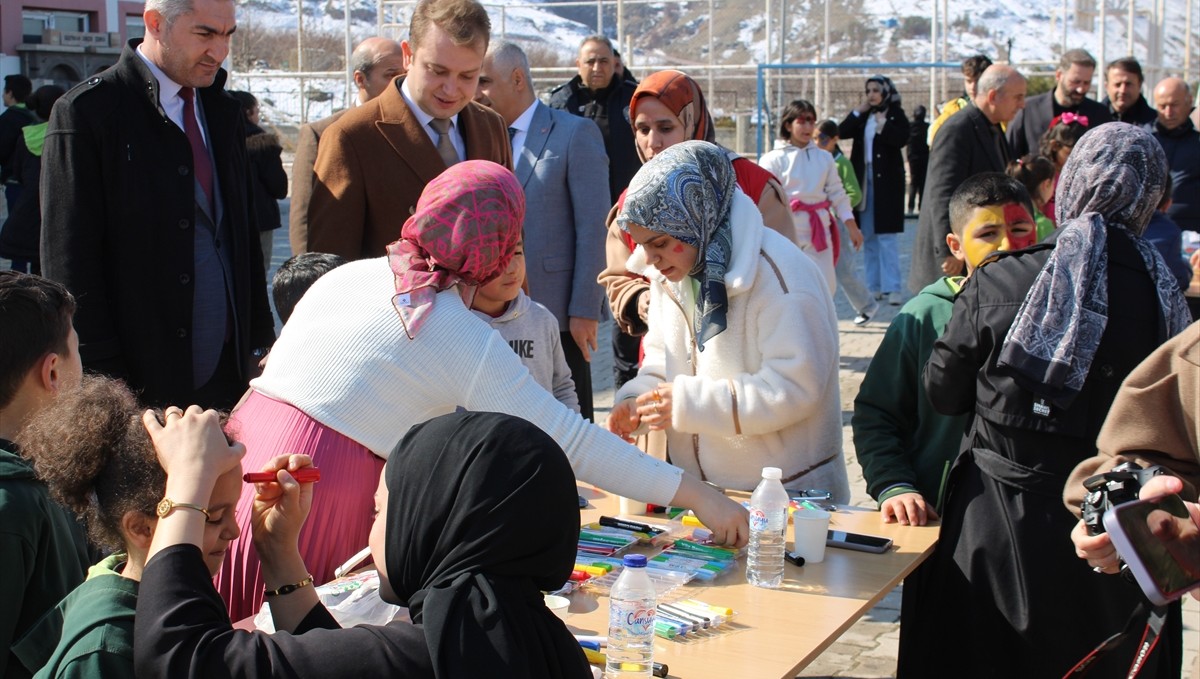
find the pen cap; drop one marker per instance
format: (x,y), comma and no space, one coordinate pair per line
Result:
(773,473)
(634,561)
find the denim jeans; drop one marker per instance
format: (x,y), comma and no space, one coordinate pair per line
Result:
(881,251)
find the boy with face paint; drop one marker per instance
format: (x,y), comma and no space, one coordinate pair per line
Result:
(904,446)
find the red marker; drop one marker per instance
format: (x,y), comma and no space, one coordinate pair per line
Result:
(302,475)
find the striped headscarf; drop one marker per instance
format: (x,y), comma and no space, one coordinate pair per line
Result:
(686,192)
(464,232)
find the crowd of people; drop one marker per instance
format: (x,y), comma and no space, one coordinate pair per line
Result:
(454,254)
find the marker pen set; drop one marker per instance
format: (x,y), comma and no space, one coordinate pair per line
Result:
(689,616)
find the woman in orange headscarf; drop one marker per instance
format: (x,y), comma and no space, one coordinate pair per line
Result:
(667,108)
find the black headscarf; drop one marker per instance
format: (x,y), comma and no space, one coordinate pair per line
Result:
(482,515)
(890,94)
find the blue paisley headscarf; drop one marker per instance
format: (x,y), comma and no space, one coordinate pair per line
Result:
(1113,179)
(686,192)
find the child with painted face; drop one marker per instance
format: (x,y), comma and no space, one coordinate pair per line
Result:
(904,446)
(1038,175)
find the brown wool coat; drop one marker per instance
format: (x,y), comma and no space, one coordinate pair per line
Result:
(372,165)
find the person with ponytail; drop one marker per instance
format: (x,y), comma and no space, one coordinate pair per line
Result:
(1038,175)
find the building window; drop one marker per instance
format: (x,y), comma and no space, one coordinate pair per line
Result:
(33,22)
(135,26)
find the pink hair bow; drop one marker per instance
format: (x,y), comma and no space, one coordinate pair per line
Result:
(1068,118)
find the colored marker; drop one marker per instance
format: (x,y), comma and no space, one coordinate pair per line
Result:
(303,475)
(613,522)
(719,610)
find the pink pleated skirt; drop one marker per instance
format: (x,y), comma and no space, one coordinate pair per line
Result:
(342,506)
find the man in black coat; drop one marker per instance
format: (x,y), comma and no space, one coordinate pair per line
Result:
(1123,86)
(146,206)
(969,143)
(17,89)
(1073,80)
(1181,142)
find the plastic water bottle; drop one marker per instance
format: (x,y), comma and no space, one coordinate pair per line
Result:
(631,616)
(768,530)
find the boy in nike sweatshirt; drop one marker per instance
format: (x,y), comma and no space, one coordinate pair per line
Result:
(528,327)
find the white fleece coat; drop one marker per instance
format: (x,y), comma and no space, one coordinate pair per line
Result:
(764,393)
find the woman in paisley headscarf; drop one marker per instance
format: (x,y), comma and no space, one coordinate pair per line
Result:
(741,358)
(1037,347)
(378,345)
(450,540)
(667,108)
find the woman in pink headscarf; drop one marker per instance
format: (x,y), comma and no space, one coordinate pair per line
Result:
(379,345)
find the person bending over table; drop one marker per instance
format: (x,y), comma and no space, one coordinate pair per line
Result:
(451,539)
(378,345)
(741,358)
(92,451)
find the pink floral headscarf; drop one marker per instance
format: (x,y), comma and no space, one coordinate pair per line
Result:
(464,232)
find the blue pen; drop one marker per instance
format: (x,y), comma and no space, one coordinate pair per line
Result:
(594,645)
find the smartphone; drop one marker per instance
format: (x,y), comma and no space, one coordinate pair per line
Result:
(858,542)
(1165,568)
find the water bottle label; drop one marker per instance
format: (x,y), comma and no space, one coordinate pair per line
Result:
(636,620)
(758,519)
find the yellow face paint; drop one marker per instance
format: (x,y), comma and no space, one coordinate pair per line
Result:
(997,227)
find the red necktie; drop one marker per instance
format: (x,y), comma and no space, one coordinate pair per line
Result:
(201,163)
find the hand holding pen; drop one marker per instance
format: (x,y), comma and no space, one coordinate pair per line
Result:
(281,505)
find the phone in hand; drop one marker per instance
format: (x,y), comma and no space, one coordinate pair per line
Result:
(1160,543)
(858,542)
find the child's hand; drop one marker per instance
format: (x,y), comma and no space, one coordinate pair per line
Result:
(623,419)
(281,507)
(654,406)
(907,509)
(856,237)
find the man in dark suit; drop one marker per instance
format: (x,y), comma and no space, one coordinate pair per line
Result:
(1072,82)
(146,214)
(969,143)
(373,164)
(1123,86)
(377,62)
(559,159)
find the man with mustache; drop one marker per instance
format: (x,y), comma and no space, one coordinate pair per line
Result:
(1073,80)
(1123,84)
(146,214)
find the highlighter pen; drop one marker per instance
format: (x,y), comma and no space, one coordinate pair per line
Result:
(719,610)
(579,576)
(700,622)
(613,522)
(682,626)
(591,570)
(664,631)
(303,475)
(594,657)
(715,619)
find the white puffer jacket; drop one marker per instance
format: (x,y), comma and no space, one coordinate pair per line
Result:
(764,393)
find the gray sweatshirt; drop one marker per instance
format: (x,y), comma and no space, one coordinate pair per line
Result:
(532,331)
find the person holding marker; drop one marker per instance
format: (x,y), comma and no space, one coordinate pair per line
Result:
(741,357)
(378,345)
(449,540)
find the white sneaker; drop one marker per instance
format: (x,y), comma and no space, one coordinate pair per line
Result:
(861,319)
(895,298)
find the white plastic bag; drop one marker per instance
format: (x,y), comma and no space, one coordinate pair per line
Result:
(352,600)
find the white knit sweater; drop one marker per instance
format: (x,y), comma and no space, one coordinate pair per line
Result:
(344,360)
(765,391)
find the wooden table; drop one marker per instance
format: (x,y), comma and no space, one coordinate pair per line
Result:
(776,632)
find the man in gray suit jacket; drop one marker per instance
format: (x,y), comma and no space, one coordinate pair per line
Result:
(560,160)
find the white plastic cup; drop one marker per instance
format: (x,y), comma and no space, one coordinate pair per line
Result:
(810,527)
(631,507)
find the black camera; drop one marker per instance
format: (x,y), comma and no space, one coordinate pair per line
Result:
(1119,485)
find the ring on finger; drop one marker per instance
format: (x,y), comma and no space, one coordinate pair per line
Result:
(655,408)
(656,395)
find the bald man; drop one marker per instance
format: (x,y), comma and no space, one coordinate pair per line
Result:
(377,62)
(968,143)
(1181,142)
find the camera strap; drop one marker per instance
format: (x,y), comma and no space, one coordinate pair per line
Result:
(1155,617)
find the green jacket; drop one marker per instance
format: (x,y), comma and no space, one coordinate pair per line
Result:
(89,634)
(849,179)
(901,443)
(43,554)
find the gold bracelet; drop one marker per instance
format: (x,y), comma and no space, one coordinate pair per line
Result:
(166,506)
(288,589)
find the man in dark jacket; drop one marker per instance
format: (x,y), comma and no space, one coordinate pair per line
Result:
(1181,142)
(17,89)
(1073,80)
(969,143)
(147,210)
(598,93)
(1123,85)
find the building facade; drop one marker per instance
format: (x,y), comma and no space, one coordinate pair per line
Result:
(63,42)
